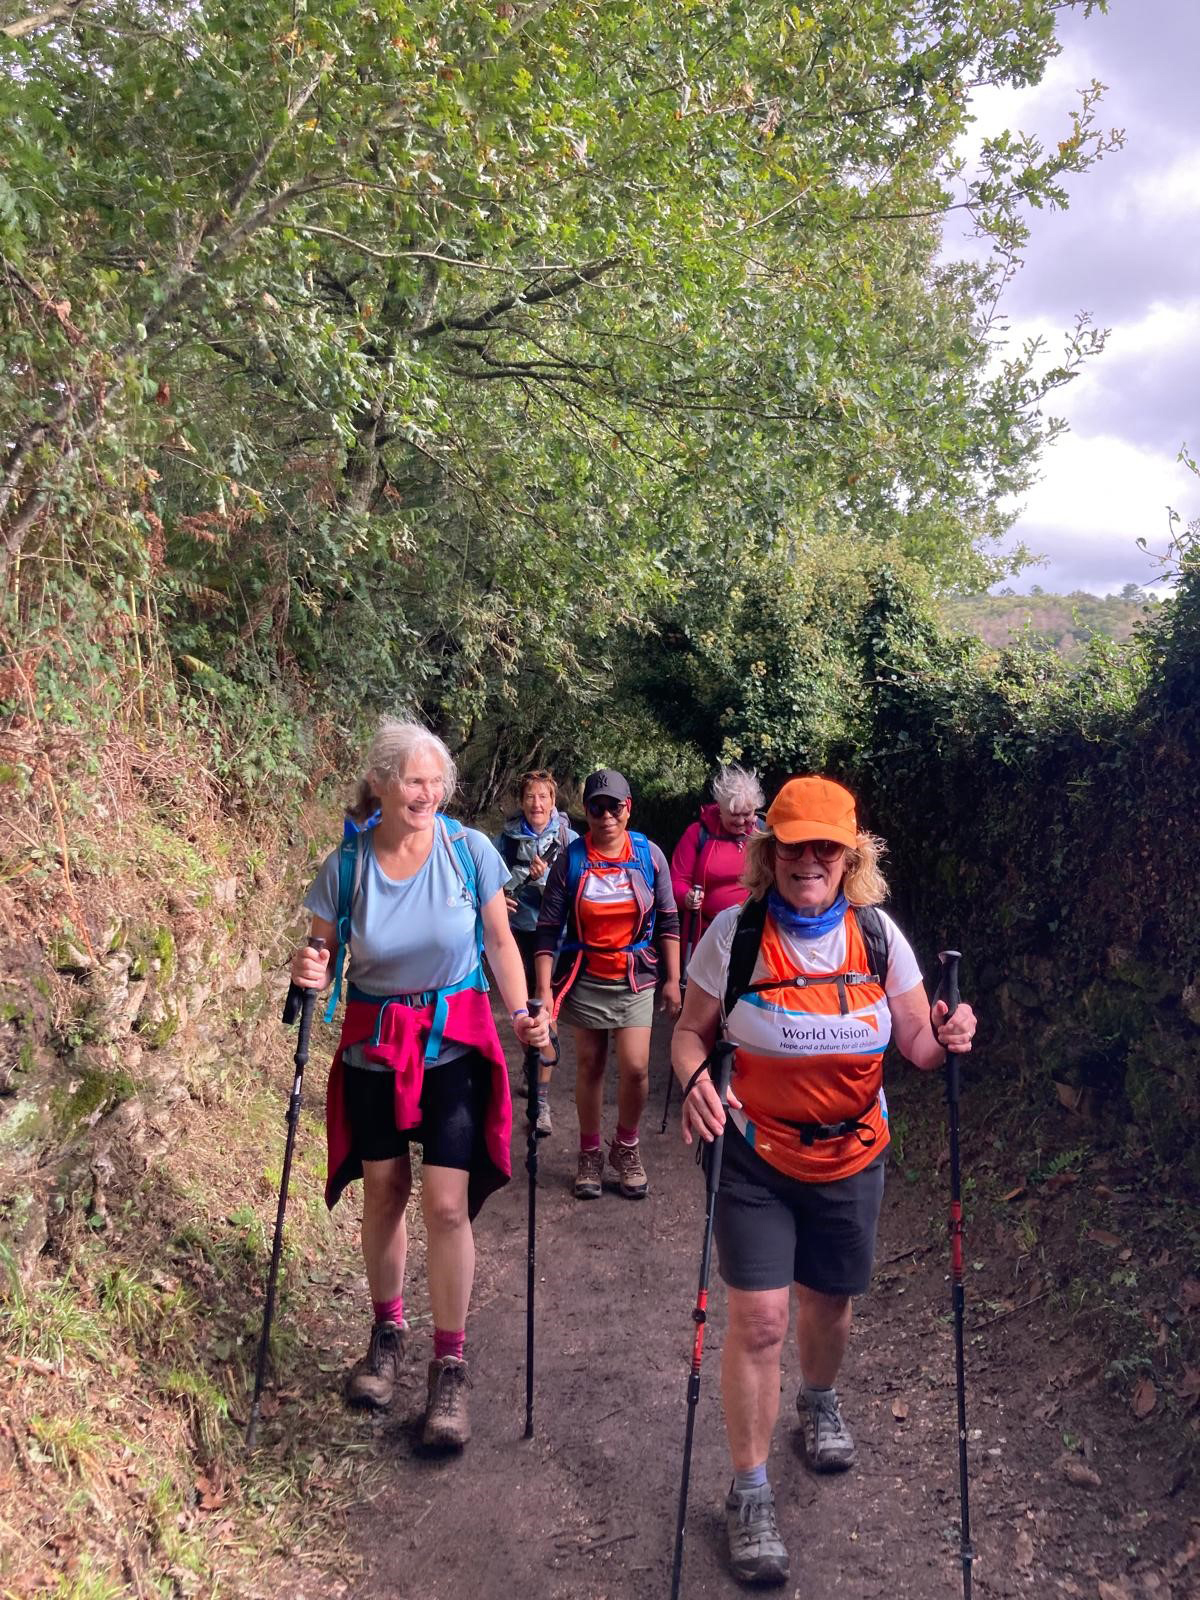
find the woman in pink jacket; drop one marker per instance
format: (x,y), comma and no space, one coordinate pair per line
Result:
(706,869)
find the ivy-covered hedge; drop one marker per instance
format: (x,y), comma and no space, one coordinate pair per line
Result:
(1047,821)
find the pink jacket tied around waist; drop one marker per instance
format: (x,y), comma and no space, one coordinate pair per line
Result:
(394,1035)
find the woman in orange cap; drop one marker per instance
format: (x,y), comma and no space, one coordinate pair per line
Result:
(810,981)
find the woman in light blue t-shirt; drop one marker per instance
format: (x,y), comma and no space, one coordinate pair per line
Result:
(414,959)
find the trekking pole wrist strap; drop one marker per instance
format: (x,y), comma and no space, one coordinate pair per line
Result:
(699,1073)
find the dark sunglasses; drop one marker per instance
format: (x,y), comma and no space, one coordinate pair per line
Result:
(824,849)
(600,808)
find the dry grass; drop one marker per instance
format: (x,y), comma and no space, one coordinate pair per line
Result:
(122,1464)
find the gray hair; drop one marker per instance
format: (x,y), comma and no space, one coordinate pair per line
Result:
(734,786)
(393,746)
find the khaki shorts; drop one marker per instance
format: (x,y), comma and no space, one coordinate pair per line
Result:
(607,1005)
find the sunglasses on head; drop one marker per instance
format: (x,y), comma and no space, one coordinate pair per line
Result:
(606,806)
(823,849)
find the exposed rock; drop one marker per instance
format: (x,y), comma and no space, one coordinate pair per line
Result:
(249,973)
(1078,1472)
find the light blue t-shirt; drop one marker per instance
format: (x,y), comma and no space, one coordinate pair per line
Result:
(418,933)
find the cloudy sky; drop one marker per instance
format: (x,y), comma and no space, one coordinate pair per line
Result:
(1128,252)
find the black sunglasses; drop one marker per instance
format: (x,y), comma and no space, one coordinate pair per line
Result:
(600,808)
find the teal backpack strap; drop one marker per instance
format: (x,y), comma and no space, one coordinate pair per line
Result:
(576,861)
(454,837)
(642,859)
(350,870)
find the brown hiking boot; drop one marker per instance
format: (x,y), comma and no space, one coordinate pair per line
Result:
(588,1174)
(627,1159)
(447,1425)
(371,1382)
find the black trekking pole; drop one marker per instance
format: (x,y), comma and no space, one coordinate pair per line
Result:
(720,1065)
(686,954)
(533,1060)
(947,990)
(299,1003)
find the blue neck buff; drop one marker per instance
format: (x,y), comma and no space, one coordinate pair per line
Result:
(802,927)
(532,833)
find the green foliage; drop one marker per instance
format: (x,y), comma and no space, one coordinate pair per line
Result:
(412,356)
(1043,818)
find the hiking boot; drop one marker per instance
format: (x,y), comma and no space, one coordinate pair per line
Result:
(588,1175)
(371,1382)
(757,1554)
(627,1159)
(828,1444)
(447,1425)
(543,1124)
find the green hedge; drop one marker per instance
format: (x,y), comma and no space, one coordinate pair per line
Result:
(1047,821)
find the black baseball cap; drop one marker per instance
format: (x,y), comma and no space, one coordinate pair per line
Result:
(606,785)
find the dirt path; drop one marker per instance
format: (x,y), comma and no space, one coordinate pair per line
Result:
(587,1509)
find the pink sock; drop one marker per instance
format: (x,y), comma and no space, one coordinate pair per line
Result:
(589,1141)
(446,1343)
(626,1135)
(389,1310)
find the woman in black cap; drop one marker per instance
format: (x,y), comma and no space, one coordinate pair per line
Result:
(612,892)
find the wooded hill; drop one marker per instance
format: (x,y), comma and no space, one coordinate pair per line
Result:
(1065,623)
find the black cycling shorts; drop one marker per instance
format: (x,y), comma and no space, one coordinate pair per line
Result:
(772,1230)
(454,1099)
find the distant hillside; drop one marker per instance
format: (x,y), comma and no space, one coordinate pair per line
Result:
(1063,622)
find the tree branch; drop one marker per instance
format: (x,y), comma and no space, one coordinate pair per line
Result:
(529,297)
(59,13)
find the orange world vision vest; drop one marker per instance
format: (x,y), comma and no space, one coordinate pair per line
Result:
(810,1047)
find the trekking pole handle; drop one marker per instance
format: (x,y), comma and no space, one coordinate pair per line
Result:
(294,1004)
(947,988)
(721,1068)
(307,1007)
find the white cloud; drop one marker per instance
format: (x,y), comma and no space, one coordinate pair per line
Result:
(1105,489)
(1161,194)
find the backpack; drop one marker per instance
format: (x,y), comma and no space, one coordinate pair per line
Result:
(747,939)
(577,865)
(704,836)
(351,856)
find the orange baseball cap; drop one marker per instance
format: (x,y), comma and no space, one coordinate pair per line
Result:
(814,808)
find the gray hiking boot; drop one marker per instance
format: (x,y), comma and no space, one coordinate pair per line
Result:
(631,1174)
(371,1382)
(757,1554)
(447,1425)
(543,1124)
(588,1174)
(828,1443)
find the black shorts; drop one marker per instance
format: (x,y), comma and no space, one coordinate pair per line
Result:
(454,1100)
(772,1230)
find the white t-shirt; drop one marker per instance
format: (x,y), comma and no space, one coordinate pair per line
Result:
(709,966)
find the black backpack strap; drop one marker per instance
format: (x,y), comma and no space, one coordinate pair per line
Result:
(743,952)
(870,925)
